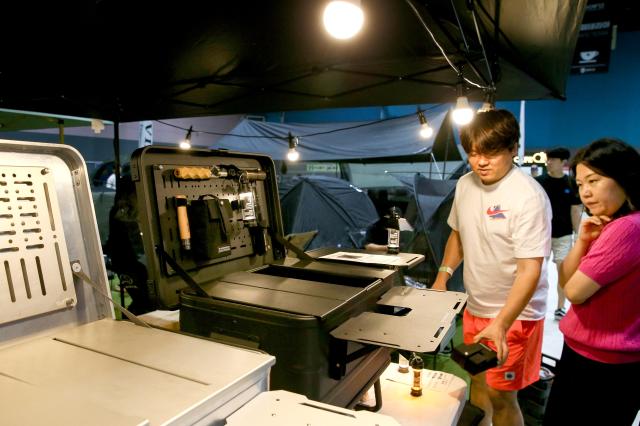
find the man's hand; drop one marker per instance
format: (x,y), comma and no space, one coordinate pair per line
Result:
(452,257)
(497,333)
(440,283)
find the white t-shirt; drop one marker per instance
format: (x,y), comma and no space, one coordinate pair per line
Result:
(111,181)
(498,224)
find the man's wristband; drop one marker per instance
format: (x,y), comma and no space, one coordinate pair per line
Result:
(446,269)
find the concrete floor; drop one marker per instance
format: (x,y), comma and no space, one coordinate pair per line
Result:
(552,340)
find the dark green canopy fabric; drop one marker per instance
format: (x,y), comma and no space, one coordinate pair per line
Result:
(131,61)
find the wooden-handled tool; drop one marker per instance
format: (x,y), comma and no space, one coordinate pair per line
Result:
(189,172)
(183,222)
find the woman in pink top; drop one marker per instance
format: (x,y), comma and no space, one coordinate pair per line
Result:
(598,374)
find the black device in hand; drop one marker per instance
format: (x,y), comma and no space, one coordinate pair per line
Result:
(475,358)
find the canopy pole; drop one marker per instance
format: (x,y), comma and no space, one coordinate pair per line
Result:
(433,159)
(61,131)
(446,156)
(116,151)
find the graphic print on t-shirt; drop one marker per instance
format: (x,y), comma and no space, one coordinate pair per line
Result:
(496,213)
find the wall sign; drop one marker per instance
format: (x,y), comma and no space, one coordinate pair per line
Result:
(593,49)
(537,158)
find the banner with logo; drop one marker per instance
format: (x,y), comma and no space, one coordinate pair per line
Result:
(593,49)
(146,134)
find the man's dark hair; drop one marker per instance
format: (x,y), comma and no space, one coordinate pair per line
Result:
(614,159)
(560,153)
(491,132)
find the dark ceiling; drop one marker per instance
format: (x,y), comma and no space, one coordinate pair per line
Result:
(625,14)
(129,61)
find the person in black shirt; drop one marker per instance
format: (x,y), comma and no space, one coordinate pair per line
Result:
(566,208)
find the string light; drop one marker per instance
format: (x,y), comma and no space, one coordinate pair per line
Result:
(462,113)
(293,155)
(489,101)
(343,19)
(97,125)
(426,131)
(186,143)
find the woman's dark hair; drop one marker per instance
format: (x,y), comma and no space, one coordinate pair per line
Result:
(617,160)
(491,132)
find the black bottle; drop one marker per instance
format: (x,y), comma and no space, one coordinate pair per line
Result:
(393,231)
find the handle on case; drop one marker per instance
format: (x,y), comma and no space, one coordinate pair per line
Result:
(183,222)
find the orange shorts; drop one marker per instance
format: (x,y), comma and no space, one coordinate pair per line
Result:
(524,339)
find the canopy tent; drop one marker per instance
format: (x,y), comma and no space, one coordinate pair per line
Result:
(433,199)
(332,206)
(132,61)
(326,141)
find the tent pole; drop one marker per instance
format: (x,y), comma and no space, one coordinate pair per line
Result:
(433,160)
(446,156)
(116,151)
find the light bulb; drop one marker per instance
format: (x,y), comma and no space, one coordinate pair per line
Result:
(486,106)
(343,19)
(97,125)
(186,142)
(462,114)
(426,131)
(293,155)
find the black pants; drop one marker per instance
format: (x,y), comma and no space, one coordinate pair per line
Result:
(586,392)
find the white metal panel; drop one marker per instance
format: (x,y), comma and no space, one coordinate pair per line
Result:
(282,408)
(177,354)
(35,275)
(134,381)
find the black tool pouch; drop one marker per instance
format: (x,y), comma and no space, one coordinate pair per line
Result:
(210,227)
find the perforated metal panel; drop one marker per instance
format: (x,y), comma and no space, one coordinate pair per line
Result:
(35,275)
(167,187)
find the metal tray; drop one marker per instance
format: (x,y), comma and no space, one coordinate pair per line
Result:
(426,316)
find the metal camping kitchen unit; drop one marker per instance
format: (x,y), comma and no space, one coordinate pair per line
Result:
(213,237)
(63,357)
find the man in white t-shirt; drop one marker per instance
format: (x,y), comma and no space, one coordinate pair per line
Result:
(501,227)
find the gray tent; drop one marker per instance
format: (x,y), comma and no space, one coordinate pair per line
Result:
(433,199)
(333,207)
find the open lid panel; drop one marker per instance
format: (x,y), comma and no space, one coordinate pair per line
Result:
(167,179)
(46,221)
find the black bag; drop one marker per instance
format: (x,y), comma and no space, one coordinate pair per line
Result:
(210,227)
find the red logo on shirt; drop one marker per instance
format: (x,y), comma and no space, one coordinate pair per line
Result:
(496,213)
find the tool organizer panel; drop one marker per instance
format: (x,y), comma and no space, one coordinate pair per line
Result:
(212,212)
(168,187)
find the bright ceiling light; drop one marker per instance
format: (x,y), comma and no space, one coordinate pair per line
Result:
(343,18)
(462,114)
